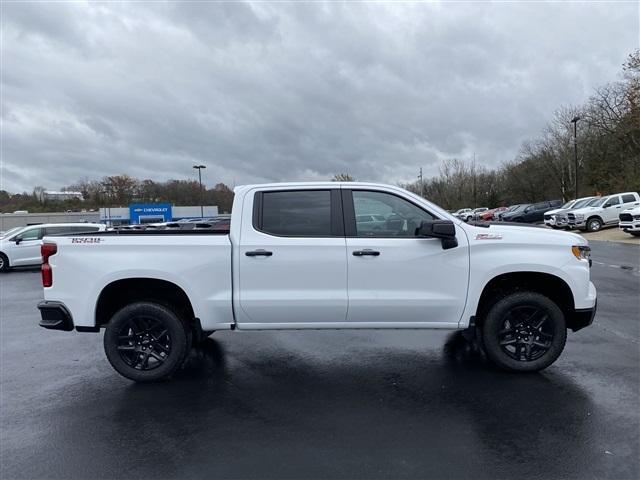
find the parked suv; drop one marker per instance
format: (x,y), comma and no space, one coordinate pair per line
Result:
(630,221)
(21,246)
(555,219)
(532,213)
(605,211)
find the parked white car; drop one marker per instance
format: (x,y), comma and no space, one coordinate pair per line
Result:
(462,213)
(20,246)
(605,211)
(630,221)
(555,219)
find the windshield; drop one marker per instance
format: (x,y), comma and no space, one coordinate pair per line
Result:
(11,232)
(584,203)
(569,204)
(520,207)
(598,202)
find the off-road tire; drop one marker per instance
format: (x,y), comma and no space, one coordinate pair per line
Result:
(505,315)
(126,332)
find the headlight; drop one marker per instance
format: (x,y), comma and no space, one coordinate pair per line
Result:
(581,252)
(580,216)
(636,217)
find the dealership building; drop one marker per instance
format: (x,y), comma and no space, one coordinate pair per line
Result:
(138,213)
(133,214)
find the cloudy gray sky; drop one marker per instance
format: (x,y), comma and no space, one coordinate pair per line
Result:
(290,91)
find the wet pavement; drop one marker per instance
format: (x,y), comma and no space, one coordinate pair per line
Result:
(335,404)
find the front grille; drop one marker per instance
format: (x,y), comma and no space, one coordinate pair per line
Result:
(626,217)
(547,217)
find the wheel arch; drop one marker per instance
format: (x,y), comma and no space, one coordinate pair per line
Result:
(547,284)
(122,292)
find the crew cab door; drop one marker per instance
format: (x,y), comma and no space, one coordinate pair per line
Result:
(292,266)
(611,209)
(395,277)
(26,247)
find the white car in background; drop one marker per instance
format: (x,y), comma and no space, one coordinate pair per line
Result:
(605,211)
(20,246)
(555,219)
(630,221)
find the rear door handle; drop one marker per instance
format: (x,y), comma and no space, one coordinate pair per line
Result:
(366,251)
(258,253)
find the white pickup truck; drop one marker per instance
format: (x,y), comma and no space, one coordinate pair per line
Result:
(296,257)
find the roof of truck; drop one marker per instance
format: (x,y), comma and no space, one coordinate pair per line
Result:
(324,184)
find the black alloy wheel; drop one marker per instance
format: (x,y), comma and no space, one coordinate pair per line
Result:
(526,334)
(146,341)
(523,332)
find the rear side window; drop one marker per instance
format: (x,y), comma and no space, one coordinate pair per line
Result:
(58,230)
(628,198)
(83,229)
(296,213)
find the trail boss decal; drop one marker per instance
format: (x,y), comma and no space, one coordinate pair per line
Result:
(87,240)
(488,236)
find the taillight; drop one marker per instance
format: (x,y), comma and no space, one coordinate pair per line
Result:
(47,249)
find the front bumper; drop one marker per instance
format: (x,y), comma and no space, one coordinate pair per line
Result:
(582,317)
(55,316)
(633,226)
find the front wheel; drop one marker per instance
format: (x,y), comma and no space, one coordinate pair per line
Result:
(524,332)
(146,342)
(594,224)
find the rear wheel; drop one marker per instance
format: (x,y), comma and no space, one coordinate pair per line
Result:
(146,342)
(524,332)
(4,263)
(594,224)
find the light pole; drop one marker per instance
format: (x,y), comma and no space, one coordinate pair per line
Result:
(199,168)
(574,120)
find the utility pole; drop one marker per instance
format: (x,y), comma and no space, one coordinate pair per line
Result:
(421,180)
(475,200)
(199,168)
(574,120)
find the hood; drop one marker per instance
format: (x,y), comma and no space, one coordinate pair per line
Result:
(519,233)
(632,211)
(557,210)
(583,210)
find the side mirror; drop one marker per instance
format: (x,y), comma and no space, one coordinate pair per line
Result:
(442,229)
(17,239)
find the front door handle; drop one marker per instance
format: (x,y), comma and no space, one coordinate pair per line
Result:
(258,253)
(366,251)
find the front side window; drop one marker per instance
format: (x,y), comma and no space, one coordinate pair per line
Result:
(612,201)
(397,217)
(297,213)
(33,234)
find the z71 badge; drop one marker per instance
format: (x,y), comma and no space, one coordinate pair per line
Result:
(488,236)
(87,240)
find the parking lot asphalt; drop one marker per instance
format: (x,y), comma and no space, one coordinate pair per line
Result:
(334,404)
